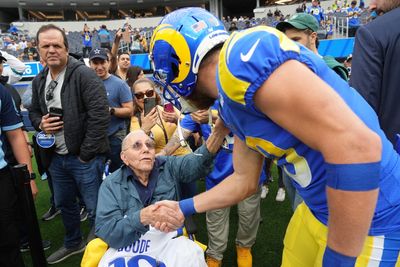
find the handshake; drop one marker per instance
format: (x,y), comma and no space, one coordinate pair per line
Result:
(165,215)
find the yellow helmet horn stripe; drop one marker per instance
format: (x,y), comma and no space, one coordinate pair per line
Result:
(178,42)
(159,27)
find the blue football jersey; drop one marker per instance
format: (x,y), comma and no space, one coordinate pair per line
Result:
(354,20)
(317,12)
(246,61)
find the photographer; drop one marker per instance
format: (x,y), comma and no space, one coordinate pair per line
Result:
(119,64)
(86,41)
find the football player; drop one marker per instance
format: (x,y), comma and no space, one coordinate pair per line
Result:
(283,102)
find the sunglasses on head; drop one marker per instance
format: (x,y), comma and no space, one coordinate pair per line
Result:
(50,90)
(148,93)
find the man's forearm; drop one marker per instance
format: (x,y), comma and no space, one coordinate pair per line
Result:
(113,59)
(217,137)
(214,142)
(20,147)
(242,183)
(115,227)
(15,64)
(123,112)
(230,191)
(350,215)
(175,142)
(172,145)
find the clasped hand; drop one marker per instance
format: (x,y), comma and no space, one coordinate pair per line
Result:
(165,216)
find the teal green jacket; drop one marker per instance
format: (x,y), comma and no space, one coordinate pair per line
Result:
(118,207)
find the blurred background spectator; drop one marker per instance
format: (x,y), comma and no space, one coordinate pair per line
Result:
(104,37)
(86,41)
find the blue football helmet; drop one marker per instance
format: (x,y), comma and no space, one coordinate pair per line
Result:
(178,45)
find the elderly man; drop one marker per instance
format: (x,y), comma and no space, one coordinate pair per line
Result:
(125,206)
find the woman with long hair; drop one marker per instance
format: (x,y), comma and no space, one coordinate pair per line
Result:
(159,124)
(133,74)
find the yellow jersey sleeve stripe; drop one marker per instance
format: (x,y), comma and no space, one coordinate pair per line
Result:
(177,41)
(236,88)
(233,87)
(302,173)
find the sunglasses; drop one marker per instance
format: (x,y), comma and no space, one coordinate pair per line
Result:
(148,93)
(50,90)
(137,146)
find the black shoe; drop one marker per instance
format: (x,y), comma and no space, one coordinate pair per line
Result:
(63,253)
(50,214)
(25,246)
(83,213)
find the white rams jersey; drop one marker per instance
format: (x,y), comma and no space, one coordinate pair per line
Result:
(156,248)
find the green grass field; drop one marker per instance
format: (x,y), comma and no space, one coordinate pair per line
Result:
(266,252)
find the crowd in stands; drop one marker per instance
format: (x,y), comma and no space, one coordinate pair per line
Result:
(135,41)
(336,18)
(327,18)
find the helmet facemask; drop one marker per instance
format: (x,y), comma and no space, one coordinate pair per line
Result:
(178,45)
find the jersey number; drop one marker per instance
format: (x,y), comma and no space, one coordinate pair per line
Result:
(134,262)
(295,166)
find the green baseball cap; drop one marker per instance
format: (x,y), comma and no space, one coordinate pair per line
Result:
(300,21)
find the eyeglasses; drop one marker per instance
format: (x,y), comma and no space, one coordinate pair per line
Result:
(148,93)
(139,145)
(50,90)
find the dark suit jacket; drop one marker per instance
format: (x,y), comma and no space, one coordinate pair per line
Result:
(375,71)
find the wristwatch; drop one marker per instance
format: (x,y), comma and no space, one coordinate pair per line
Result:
(32,176)
(112,111)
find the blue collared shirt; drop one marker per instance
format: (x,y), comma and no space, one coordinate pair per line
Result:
(145,192)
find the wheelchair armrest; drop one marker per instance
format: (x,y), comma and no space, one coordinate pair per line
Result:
(190,225)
